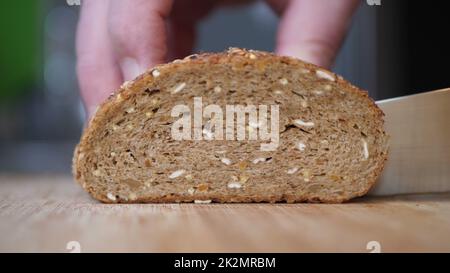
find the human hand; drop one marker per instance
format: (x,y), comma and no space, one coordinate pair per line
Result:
(119,39)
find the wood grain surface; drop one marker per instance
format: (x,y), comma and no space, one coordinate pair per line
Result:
(43,214)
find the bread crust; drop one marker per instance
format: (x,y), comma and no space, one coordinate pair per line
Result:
(232,56)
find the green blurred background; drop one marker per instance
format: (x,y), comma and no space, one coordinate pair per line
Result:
(21,49)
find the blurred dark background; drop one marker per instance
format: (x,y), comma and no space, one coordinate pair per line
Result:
(395,49)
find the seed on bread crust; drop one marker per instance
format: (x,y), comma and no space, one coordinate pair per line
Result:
(302,123)
(259,159)
(96,172)
(251,56)
(234,185)
(284,81)
(111,196)
(237,51)
(132,196)
(130,110)
(226,161)
(179,88)
(126,84)
(156,73)
(243,165)
(278,92)
(243,179)
(325,75)
(304,103)
(202,201)
(304,71)
(191,57)
(301,146)
(191,191)
(365,149)
(292,170)
(203,187)
(306,175)
(176,174)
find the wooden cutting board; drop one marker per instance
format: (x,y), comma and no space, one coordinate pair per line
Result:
(51,213)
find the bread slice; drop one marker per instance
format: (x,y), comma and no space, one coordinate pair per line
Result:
(331,147)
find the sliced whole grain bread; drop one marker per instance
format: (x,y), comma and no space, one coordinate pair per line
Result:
(332,145)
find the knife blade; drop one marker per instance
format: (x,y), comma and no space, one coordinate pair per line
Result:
(419,153)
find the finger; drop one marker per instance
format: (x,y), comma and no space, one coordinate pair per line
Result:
(278,6)
(181,39)
(182,25)
(97,68)
(313,30)
(138,30)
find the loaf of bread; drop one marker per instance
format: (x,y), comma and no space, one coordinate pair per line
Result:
(298,133)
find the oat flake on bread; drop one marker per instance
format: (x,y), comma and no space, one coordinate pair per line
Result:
(126,153)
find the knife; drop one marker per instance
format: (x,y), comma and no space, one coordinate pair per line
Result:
(419,153)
